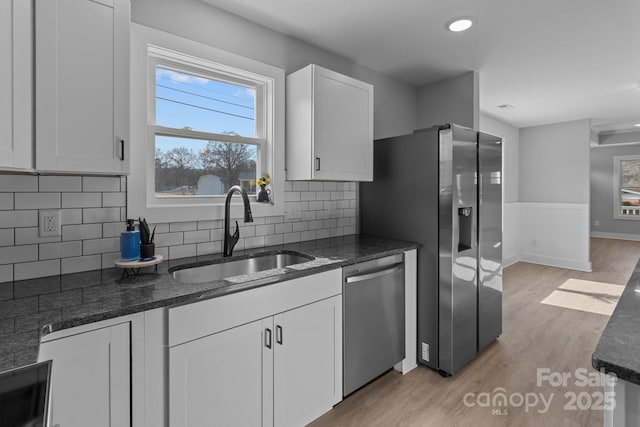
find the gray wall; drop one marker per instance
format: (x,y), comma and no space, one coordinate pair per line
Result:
(395,102)
(510,155)
(602,192)
(554,163)
(454,100)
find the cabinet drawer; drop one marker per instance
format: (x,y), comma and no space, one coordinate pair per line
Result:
(192,321)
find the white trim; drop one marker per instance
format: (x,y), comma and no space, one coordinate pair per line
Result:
(140,181)
(616,188)
(617,236)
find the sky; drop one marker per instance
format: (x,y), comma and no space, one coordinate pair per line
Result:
(184,100)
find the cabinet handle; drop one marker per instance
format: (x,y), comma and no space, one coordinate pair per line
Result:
(279,334)
(267,338)
(317,163)
(122,150)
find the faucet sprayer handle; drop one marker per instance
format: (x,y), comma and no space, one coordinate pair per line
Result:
(236,234)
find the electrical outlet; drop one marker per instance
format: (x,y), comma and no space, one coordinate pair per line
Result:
(293,211)
(332,207)
(597,223)
(425,351)
(50,223)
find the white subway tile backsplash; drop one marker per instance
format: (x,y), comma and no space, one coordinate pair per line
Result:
(100,183)
(6,201)
(18,183)
(208,248)
(81,232)
(94,215)
(114,199)
(7,237)
(60,250)
(60,183)
(316,186)
(71,216)
(113,229)
(100,246)
(108,260)
(12,219)
(254,242)
(36,200)
(274,239)
(292,196)
(14,254)
(30,235)
(196,236)
(32,270)
(291,237)
(300,186)
(274,219)
(6,273)
(169,239)
(301,226)
(81,200)
(284,228)
(94,212)
(245,230)
(183,226)
(330,186)
(265,230)
(81,263)
(182,251)
(309,195)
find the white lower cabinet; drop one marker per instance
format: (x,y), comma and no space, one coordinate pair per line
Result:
(91,377)
(284,369)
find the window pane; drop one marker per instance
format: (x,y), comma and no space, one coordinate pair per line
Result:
(630,188)
(192,167)
(185,101)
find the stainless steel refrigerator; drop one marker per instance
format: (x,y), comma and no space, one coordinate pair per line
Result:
(442,188)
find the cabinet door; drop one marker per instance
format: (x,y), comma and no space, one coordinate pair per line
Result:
(82,85)
(15,84)
(219,380)
(342,128)
(307,361)
(91,378)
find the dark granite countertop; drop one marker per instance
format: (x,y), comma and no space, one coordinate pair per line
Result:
(30,308)
(618,350)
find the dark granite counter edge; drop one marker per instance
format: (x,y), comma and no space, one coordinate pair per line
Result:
(225,287)
(619,345)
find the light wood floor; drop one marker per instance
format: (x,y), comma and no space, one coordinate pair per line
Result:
(534,336)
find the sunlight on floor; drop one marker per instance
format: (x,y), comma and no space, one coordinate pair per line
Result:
(585,295)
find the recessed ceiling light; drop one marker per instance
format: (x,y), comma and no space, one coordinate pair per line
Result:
(637,125)
(460,24)
(506,107)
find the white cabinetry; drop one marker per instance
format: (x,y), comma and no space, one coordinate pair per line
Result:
(16,138)
(263,357)
(91,377)
(329,126)
(82,85)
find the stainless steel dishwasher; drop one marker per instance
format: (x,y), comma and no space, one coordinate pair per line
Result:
(373,319)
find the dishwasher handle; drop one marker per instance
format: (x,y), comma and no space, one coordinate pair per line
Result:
(369,276)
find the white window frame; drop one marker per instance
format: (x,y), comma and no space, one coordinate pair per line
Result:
(150,48)
(617,187)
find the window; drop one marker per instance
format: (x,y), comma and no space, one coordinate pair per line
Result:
(207,132)
(202,120)
(626,187)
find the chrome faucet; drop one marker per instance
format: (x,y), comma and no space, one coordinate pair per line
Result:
(230,240)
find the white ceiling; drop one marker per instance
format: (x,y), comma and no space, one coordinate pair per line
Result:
(554,60)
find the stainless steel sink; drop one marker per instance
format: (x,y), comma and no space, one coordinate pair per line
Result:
(237,267)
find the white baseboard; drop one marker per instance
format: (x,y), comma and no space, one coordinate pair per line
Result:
(506,262)
(617,236)
(557,262)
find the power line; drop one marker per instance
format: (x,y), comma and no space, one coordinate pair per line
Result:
(204,96)
(200,87)
(205,108)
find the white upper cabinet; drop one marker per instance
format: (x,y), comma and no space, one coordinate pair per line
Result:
(82,85)
(329,126)
(16,138)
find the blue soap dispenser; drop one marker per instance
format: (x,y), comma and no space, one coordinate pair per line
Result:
(130,243)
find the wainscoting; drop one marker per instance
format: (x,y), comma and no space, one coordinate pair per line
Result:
(554,234)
